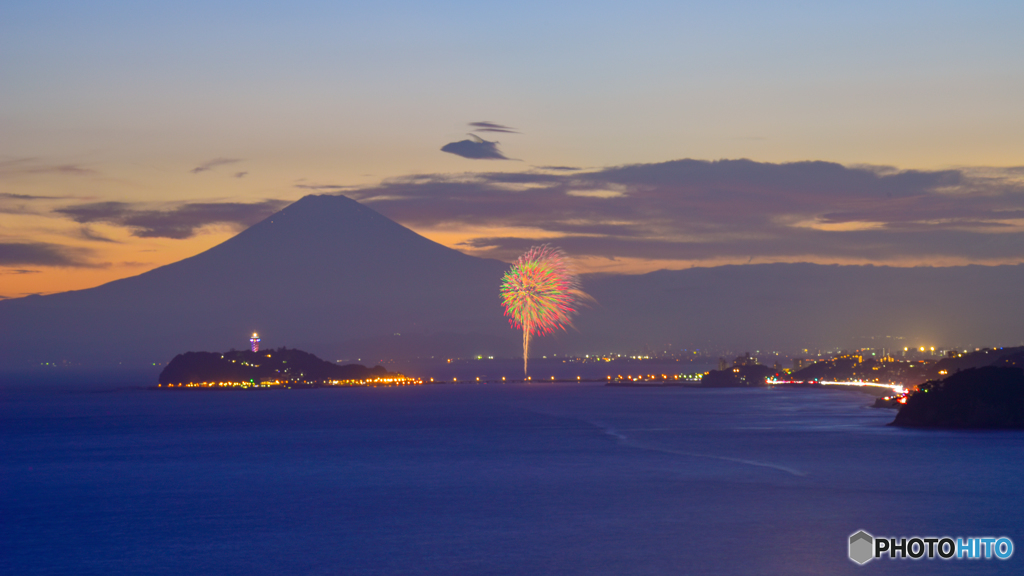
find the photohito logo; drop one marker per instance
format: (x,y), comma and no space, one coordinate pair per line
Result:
(864,547)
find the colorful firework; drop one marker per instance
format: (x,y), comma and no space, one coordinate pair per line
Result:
(541,294)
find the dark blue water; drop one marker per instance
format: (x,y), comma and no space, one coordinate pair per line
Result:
(489,479)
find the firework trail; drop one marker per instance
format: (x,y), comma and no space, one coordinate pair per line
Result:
(541,293)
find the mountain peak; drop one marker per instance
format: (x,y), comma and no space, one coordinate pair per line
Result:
(320,231)
(328,208)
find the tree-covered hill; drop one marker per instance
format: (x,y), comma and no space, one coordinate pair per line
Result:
(987,397)
(281,365)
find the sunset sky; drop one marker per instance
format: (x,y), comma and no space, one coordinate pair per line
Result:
(637,135)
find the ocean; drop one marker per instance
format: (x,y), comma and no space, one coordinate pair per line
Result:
(531,479)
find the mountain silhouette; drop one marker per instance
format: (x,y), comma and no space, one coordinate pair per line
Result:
(320,272)
(333,277)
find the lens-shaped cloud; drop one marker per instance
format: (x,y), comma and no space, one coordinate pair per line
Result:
(475,148)
(492,127)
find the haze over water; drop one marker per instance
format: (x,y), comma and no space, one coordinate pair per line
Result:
(487,479)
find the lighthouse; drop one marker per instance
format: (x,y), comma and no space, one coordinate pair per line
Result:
(255,341)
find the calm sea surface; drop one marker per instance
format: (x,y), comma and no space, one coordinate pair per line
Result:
(487,479)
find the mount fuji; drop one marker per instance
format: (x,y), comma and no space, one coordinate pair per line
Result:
(334,277)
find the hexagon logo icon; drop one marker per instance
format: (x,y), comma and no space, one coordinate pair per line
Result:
(861,545)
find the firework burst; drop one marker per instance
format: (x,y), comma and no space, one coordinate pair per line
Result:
(541,294)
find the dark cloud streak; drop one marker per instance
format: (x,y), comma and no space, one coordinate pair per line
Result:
(560,168)
(323,187)
(177,222)
(211,164)
(701,210)
(36,166)
(88,234)
(9,196)
(44,254)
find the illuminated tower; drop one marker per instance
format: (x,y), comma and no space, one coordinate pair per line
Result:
(255,341)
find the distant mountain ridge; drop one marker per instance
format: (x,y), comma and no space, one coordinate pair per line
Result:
(332,276)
